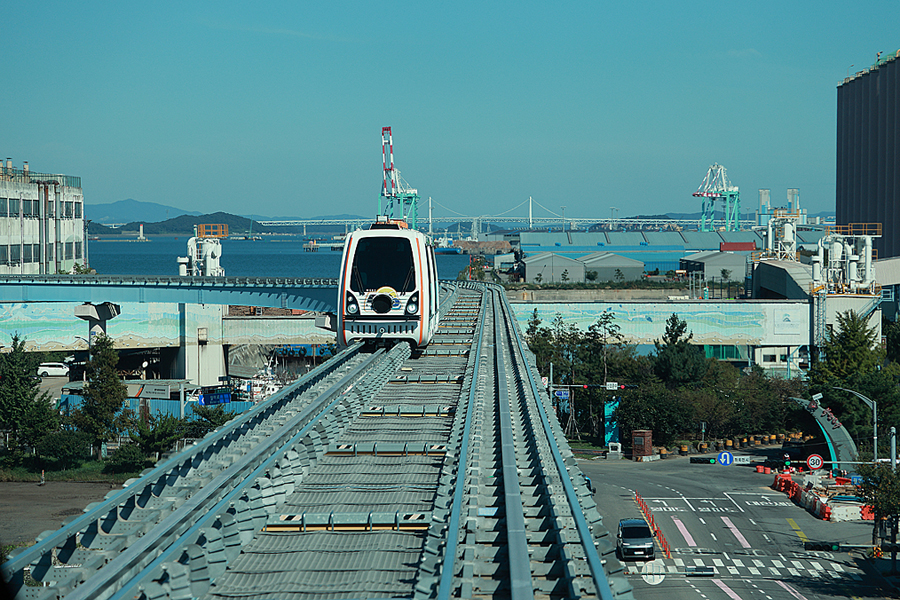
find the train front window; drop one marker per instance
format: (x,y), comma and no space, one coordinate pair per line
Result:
(380,262)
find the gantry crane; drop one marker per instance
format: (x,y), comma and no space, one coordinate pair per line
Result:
(715,186)
(395,192)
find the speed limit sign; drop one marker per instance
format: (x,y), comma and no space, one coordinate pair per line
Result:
(814,462)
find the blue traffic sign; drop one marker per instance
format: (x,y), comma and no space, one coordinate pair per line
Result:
(725,458)
(562,394)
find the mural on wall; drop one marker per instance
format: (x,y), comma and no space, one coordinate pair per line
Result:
(710,322)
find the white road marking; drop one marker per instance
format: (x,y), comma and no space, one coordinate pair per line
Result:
(758,563)
(794,572)
(738,562)
(778,564)
(679,562)
(718,562)
(837,567)
(701,520)
(713,536)
(698,562)
(816,566)
(733,570)
(735,502)
(754,570)
(797,564)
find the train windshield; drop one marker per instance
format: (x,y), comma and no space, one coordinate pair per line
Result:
(383,261)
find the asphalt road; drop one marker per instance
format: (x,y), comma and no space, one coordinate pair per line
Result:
(729,519)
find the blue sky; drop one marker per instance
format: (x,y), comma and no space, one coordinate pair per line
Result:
(276,108)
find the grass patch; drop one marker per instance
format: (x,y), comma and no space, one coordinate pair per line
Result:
(87,472)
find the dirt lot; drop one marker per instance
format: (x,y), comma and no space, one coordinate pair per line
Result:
(27,509)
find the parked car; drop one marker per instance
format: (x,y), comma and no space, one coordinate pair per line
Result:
(53,370)
(634,539)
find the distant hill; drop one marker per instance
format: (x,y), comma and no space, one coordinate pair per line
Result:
(130,210)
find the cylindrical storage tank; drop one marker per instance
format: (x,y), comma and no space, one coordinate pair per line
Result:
(788,232)
(642,442)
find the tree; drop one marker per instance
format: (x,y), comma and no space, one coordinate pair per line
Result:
(19,390)
(851,350)
(619,275)
(100,416)
(206,419)
(39,420)
(538,278)
(67,447)
(590,275)
(726,275)
(654,407)
(880,489)
(564,277)
(678,362)
(159,435)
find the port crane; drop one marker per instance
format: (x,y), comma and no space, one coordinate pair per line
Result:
(396,194)
(715,186)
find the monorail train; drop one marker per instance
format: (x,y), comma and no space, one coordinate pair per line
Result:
(388,288)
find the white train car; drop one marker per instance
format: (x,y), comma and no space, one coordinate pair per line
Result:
(388,287)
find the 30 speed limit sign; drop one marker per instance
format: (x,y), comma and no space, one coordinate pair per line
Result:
(814,462)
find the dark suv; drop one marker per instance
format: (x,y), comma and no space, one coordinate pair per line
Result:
(634,539)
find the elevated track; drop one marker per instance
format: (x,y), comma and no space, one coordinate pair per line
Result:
(439,473)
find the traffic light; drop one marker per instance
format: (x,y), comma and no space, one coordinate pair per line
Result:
(825,546)
(890,547)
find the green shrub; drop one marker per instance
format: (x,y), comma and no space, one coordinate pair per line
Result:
(68,448)
(126,459)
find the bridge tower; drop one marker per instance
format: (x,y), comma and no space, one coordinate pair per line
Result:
(715,186)
(396,194)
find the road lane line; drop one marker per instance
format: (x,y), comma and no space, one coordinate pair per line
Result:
(797,530)
(740,536)
(684,532)
(791,591)
(735,502)
(690,506)
(731,593)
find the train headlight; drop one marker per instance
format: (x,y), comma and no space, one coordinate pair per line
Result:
(412,307)
(352,305)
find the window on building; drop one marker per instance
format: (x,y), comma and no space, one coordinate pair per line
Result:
(15,254)
(78,210)
(4,207)
(26,253)
(36,252)
(68,210)
(28,207)
(13,207)
(78,250)
(70,250)
(4,254)
(769,358)
(49,251)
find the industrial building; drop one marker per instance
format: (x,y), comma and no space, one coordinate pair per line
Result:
(42,228)
(612,267)
(868,151)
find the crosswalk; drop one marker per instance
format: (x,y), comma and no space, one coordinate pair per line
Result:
(766,567)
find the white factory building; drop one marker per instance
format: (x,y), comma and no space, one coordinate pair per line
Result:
(42,229)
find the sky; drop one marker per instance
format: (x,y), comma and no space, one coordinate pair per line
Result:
(276,108)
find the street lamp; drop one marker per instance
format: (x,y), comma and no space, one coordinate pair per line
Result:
(874,406)
(563,217)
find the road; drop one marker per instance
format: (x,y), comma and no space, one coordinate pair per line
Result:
(729,519)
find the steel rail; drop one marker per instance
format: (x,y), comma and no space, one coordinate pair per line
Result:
(521,584)
(448,568)
(595,564)
(273,447)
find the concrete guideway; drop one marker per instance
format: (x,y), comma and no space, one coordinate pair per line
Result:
(417,469)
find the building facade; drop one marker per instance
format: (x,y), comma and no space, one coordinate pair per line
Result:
(868,151)
(42,228)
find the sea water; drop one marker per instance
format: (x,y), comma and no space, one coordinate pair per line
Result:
(272,256)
